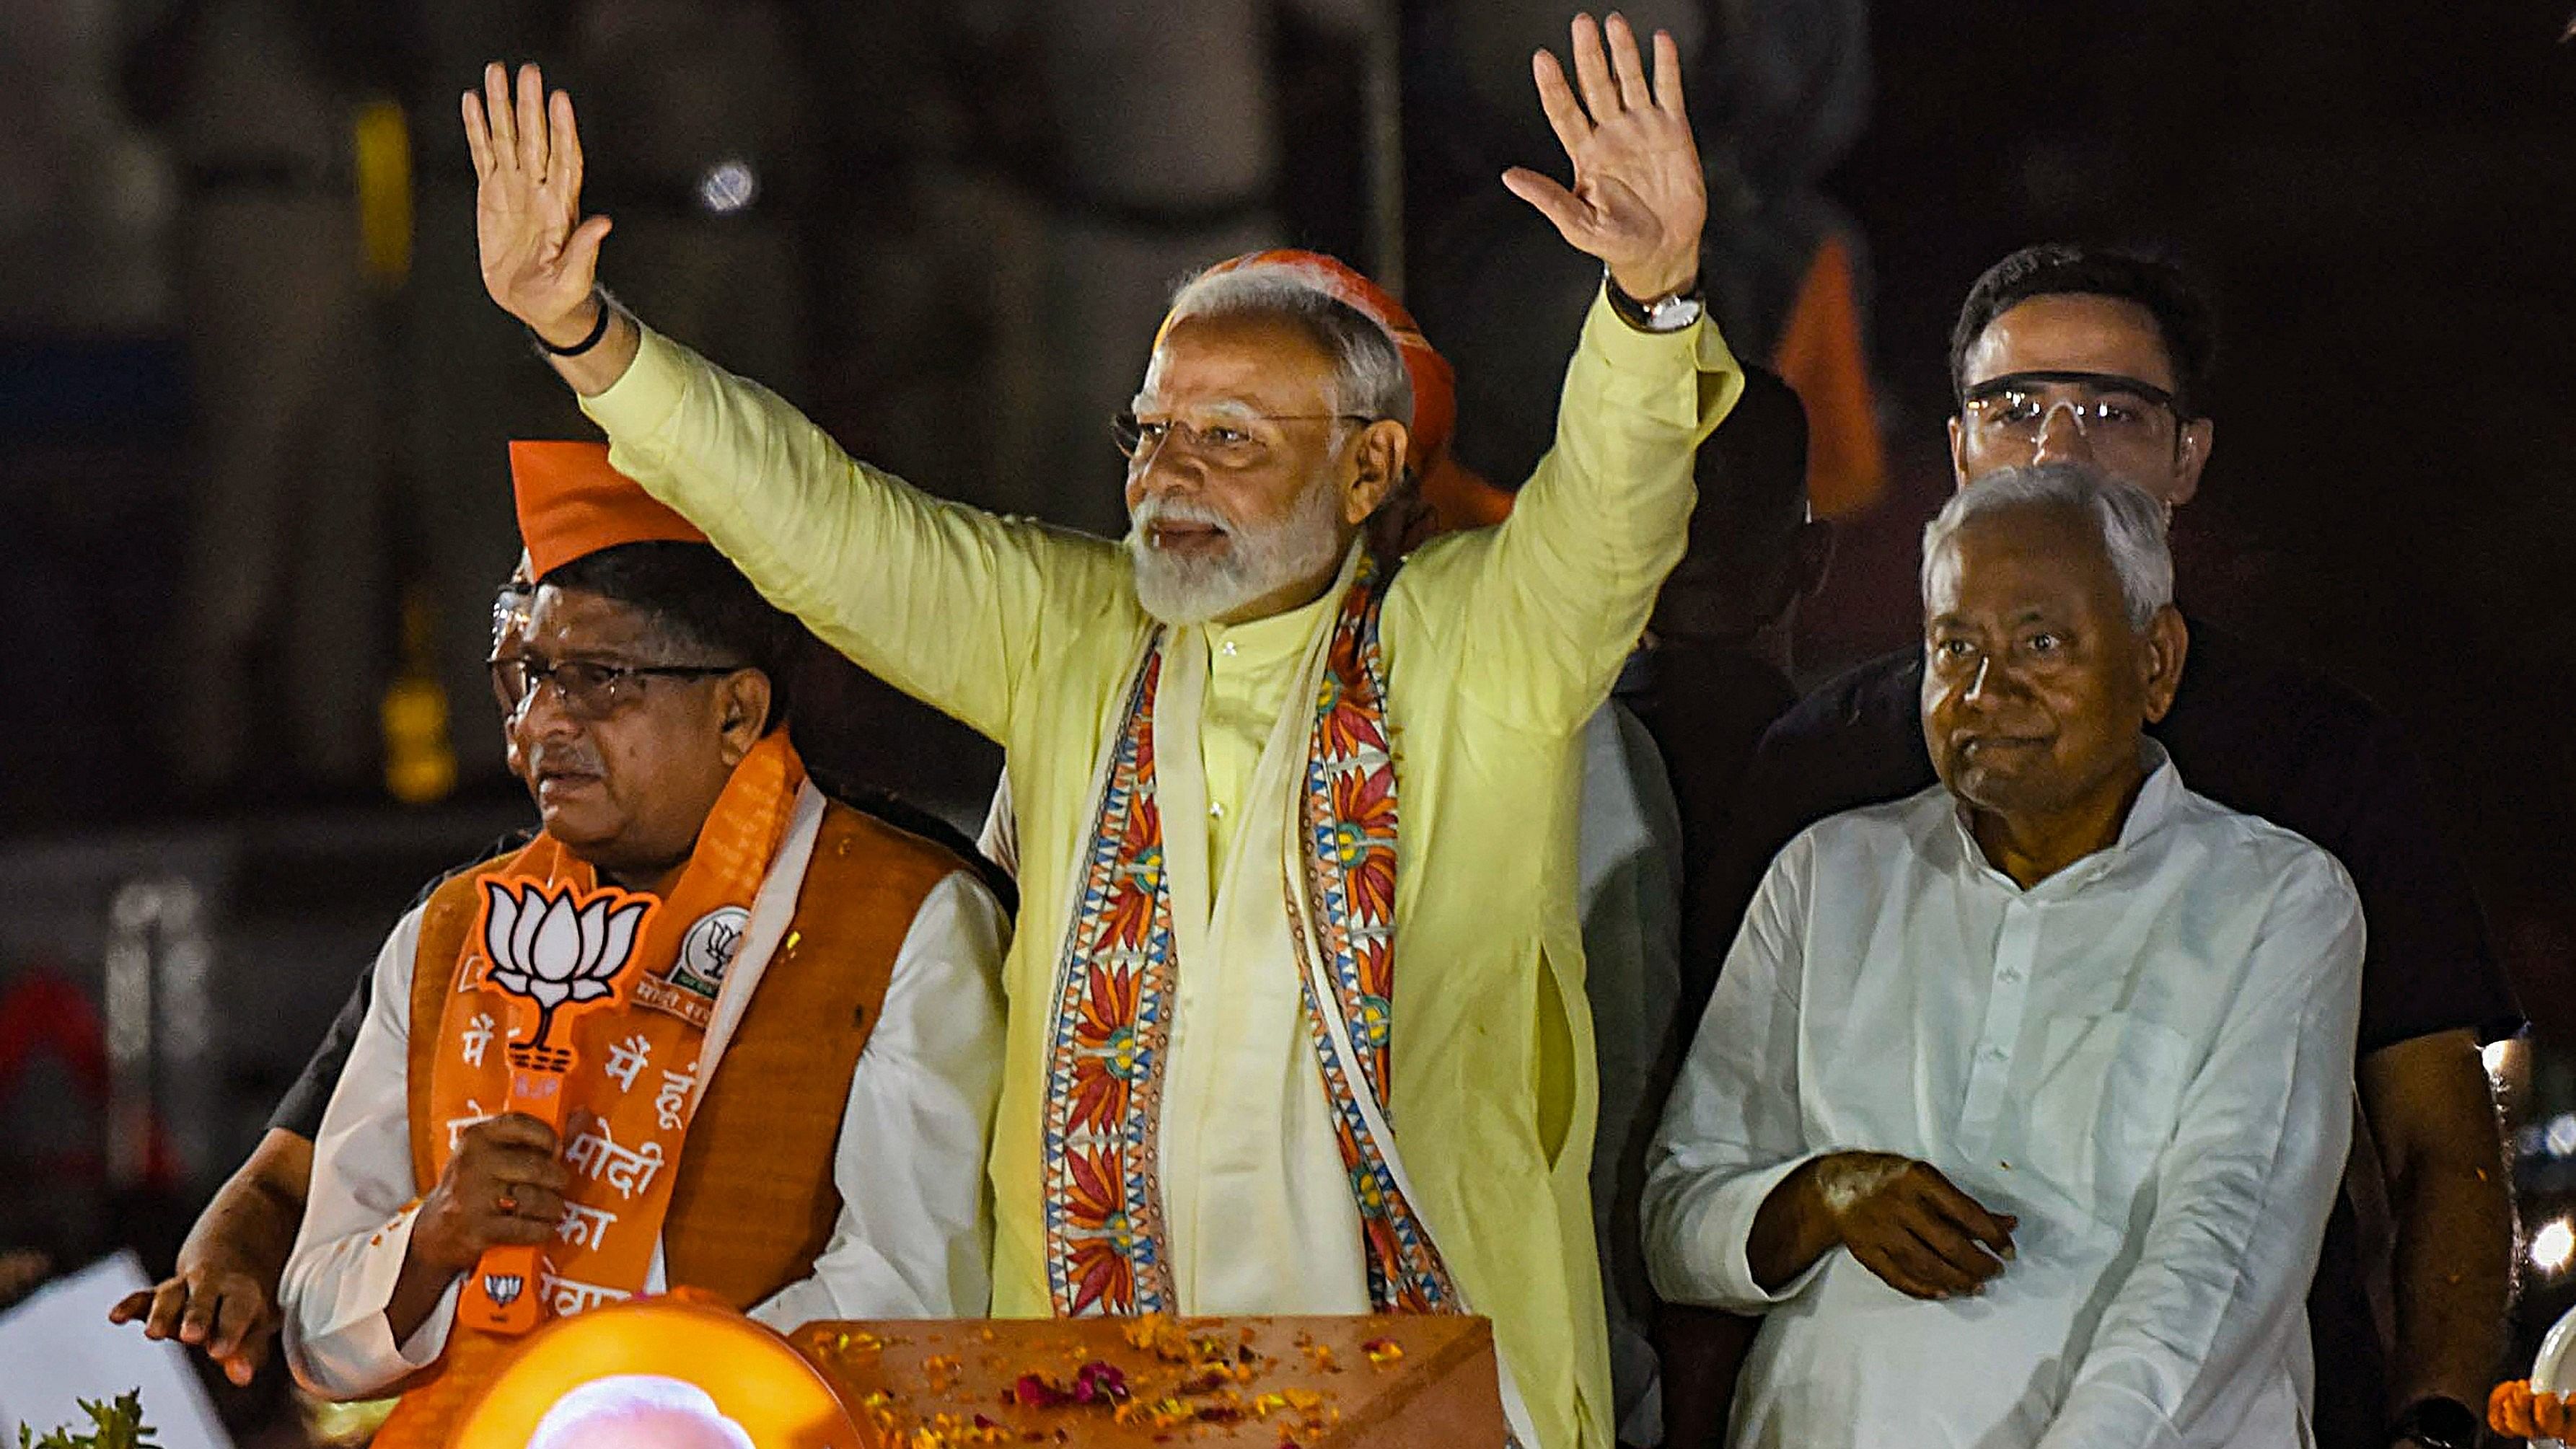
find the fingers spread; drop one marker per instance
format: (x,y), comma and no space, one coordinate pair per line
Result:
(478,135)
(1556,98)
(531,121)
(1553,201)
(241,1312)
(1592,68)
(581,249)
(131,1307)
(199,1320)
(1668,76)
(169,1301)
(1627,66)
(563,142)
(497,112)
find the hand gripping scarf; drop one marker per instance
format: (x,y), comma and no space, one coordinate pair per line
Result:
(1115,993)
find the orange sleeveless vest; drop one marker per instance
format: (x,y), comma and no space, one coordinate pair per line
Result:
(754,1203)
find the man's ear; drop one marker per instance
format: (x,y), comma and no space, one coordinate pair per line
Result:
(1377,461)
(2167,645)
(742,712)
(1958,460)
(2191,455)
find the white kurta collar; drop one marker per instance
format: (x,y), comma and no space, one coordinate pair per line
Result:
(2157,799)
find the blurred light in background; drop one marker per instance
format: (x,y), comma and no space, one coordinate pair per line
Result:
(2553,1245)
(728,186)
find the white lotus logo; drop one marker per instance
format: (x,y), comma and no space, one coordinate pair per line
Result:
(550,949)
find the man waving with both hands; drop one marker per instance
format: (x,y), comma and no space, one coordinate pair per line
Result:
(1258,775)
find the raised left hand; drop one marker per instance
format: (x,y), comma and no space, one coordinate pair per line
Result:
(1639,198)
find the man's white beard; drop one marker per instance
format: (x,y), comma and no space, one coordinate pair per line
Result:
(1180,590)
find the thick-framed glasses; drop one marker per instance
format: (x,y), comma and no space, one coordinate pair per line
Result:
(1220,443)
(591,690)
(2107,408)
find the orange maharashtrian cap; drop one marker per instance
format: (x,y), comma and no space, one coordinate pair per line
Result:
(572,505)
(1459,497)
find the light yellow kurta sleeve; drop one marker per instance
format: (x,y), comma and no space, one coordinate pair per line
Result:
(948,603)
(1544,608)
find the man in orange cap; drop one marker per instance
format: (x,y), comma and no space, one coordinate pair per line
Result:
(1214,728)
(649,973)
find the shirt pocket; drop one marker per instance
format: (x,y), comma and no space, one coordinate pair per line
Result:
(2105,1101)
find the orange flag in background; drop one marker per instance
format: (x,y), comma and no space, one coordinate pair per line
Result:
(1821,359)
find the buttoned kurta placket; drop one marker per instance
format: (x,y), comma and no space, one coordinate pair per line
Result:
(1246,1141)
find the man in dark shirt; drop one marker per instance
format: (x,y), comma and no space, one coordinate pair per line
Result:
(2066,354)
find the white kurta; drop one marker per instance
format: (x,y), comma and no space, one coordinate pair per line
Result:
(2147,1057)
(915,1232)
(1629,856)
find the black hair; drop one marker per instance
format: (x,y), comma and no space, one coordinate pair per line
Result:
(699,599)
(2184,317)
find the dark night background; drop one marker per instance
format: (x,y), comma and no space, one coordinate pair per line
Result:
(965,217)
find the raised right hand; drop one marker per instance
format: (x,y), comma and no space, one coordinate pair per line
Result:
(540,258)
(503,1187)
(1906,1223)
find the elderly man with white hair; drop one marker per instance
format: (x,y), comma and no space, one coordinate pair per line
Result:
(1260,778)
(638,1411)
(2022,1101)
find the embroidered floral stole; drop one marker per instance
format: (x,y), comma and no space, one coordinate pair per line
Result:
(1116,991)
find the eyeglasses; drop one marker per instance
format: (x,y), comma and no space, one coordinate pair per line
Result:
(510,612)
(2107,408)
(591,690)
(1221,444)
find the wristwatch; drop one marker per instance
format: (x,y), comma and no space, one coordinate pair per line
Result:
(2437,1423)
(1664,314)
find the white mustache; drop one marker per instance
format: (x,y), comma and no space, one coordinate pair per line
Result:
(1155,509)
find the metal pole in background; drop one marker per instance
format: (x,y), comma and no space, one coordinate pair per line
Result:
(1385,133)
(159,1020)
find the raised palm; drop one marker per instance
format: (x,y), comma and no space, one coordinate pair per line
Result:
(1638,199)
(540,258)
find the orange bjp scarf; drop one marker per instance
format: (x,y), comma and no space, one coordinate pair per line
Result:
(598,1000)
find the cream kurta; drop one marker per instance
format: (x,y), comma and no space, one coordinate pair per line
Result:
(1257,1206)
(1498,645)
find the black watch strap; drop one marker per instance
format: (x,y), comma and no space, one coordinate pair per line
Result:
(2437,1423)
(1662,314)
(598,330)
